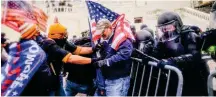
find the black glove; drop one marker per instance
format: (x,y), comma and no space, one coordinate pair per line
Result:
(101,63)
(145,60)
(97,47)
(94,60)
(164,62)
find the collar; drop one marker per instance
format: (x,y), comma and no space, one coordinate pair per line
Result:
(109,39)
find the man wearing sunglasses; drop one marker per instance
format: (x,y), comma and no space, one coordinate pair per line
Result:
(178,45)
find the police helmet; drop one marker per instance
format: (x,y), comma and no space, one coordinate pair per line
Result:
(144,35)
(143,26)
(169,26)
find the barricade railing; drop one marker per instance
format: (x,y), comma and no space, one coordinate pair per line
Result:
(211,82)
(211,77)
(145,89)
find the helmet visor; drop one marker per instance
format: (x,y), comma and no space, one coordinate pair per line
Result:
(167,32)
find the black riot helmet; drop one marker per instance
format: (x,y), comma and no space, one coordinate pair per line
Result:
(143,26)
(144,35)
(146,41)
(212,20)
(169,26)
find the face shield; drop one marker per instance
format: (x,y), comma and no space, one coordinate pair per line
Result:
(212,20)
(167,32)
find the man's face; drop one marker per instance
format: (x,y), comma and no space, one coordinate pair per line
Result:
(107,33)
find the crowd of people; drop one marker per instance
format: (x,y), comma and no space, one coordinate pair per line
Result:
(78,67)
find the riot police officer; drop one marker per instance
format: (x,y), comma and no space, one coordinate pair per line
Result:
(208,37)
(178,46)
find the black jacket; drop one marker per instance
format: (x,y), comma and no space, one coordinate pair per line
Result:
(189,62)
(81,74)
(44,80)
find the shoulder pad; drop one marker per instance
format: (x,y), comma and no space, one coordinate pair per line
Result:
(186,29)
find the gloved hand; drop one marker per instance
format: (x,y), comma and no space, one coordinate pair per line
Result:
(101,63)
(97,47)
(145,60)
(164,62)
(94,60)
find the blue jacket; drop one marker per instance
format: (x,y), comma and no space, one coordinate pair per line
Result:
(119,61)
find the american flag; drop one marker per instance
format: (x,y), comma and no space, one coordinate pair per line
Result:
(41,18)
(17,14)
(120,25)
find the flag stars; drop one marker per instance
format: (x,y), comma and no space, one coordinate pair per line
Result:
(101,12)
(21,85)
(15,93)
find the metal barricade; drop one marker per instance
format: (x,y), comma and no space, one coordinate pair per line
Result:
(211,81)
(211,77)
(135,74)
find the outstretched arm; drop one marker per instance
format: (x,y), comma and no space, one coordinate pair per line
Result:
(83,50)
(76,59)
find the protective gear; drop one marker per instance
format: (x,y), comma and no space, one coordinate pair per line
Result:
(57,31)
(184,52)
(146,41)
(28,31)
(97,47)
(150,30)
(212,24)
(196,29)
(101,63)
(164,62)
(174,47)
(94,60)
(144,35)
(168,26)
(169,17)
(143,26)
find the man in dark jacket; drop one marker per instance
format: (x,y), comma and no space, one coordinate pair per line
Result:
(79,77)
(43,83)
(179,46)
(115,66)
